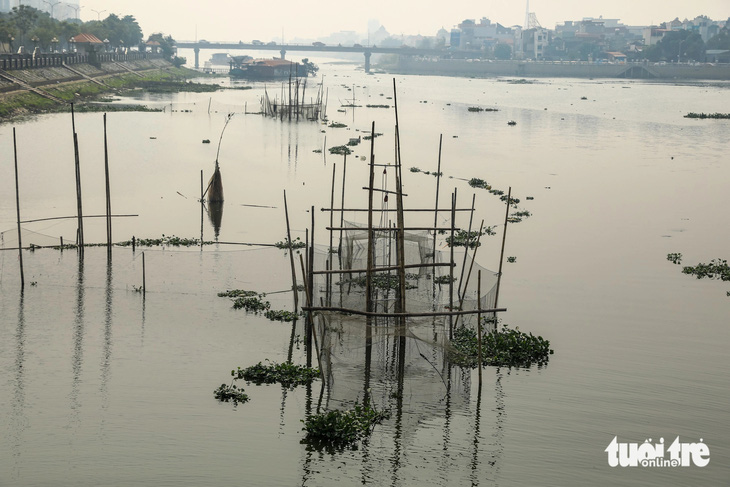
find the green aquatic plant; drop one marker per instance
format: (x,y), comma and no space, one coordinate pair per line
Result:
(675,258)
(338,429)
(465,238)
(281,315)
(226,393)
(444,279)
(340,150)
(506,347)
(286,374)
(337,125)
(479,183)
(381,281)
(708,115)
(716,269)
(512,259)
(294,244)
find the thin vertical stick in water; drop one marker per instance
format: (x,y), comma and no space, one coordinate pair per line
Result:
(501,254)
(17,209)
(479,325)
(369,268)
(108,193)
(466,246)
(291,256)
(77,164)
(451,261)
(144,276)
(330,249)
(342,206)
(202,196)
(435,219)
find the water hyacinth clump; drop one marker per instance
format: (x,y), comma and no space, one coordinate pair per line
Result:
(506,347)
(338,429)
(286,374)
(227,393)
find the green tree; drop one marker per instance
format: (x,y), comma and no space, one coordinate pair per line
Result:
(167,44)
(721,40)
(503,51)
(24,18)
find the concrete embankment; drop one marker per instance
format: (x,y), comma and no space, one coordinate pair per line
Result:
(557,69)
(37,90)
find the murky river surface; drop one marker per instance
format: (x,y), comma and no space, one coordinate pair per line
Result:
(102,386)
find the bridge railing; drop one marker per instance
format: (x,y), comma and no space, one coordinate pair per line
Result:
(29,61)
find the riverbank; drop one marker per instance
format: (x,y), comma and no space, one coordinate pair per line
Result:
(51,89)
(558,69)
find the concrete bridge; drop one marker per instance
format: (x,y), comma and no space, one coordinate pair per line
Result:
(367,51)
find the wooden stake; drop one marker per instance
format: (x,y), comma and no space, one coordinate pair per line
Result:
(291,257)
(401,221)
(309,313)
(435,218)
(202,204)
(451,259)
(144,276)
(108,193)
(330,249)
(79,206)
(368,275)
(479,324)
(17,210)
(501,254)
(342,212)
(466,247)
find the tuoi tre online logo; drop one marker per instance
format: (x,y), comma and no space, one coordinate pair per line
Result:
(650,454)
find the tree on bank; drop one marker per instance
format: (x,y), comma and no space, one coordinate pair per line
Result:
(503,51)
(678,45)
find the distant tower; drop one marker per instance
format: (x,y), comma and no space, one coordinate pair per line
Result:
(527,16)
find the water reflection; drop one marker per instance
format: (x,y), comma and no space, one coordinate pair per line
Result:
(19,421)
(215,214)
(107,350)
(78,342)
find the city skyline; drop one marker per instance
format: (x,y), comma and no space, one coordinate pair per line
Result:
(230,20)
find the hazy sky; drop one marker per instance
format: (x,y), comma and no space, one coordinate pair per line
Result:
(245,20)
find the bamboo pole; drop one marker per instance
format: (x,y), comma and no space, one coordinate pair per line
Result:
(479,325)
(435,217)
(202,204)
(501,254)
(291,256)
(144,276)
(403,315)
(451,259)
(342,212)
(311,319)
(329,250)
(471,266)
(17,210)
(311,290)
(368,275)
(79,205)
(466,246)
(401,222)
(108,192)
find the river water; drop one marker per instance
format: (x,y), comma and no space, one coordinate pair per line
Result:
(101,385)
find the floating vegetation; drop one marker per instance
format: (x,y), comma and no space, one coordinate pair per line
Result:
(281,315)
(317,151)
(479,109)
(89,108)
(512,259)
(464,238)
(708,115)
(353,142)
(248,300)
(381,281)
(444,280)
(164,240)
(497,192)
(513,201)
(226,393)
(415,169)
(505,348)
(520,82)
(368,137)
(479,183)
(206,141)
(337,125)
(716,269)
(339,429)
(530,198)
(286,244)
(378,106)
(517,216)
(583,98)
(511,122)
(675,258)
(286,374)
(340,150)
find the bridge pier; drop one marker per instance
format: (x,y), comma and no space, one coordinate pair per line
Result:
(197,57)
(283,53)
(367,61)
